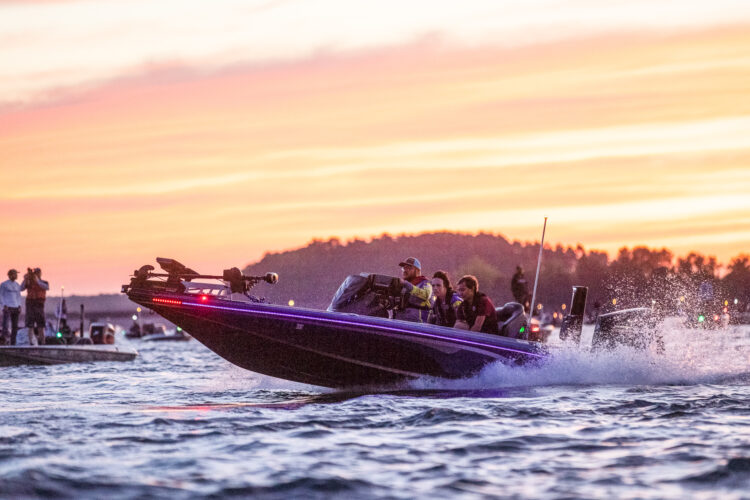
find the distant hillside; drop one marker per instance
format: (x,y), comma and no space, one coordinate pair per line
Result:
(637,277)
(95,306)
(311,275)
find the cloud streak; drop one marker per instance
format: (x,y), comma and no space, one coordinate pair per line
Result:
(103,40)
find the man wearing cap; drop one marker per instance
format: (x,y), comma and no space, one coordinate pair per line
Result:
(36,294)
(418,291)
(10,300)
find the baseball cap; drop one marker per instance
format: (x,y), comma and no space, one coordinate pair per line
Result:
(411,261)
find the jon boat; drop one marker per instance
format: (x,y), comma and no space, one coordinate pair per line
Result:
(101,349)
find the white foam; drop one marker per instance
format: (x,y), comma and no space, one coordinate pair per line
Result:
(691,357)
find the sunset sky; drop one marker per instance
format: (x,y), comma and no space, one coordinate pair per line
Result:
(212,132)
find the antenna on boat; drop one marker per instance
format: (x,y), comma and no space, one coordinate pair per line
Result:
(538,266)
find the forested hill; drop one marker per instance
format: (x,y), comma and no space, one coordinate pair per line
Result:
(311,275)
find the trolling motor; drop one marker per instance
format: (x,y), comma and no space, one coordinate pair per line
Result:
(176,273)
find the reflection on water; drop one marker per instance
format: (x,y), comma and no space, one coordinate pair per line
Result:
(179,422)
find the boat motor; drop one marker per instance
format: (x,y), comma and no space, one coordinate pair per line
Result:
(636,328)
(511,321)
(572,324)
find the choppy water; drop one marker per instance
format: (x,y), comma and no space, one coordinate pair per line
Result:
(180,422)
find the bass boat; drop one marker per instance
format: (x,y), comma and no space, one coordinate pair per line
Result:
(352,343)
(355,342)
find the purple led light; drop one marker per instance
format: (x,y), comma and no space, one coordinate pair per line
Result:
(351,323)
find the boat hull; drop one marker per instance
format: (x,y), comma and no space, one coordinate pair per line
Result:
(56,354)
(332,349)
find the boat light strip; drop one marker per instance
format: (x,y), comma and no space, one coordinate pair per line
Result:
(173,302)
(350,323)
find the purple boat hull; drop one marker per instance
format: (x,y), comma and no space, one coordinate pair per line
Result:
(332,349)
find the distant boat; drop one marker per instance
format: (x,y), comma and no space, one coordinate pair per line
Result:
(156,333)
(167,336)
(99,348)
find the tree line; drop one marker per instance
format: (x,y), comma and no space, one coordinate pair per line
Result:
(635,277)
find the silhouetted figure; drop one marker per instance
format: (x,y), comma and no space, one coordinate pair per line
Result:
(520,288)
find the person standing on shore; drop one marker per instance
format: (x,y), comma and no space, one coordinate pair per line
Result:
(10,299)
(36,293)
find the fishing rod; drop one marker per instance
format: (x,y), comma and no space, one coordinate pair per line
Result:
(538,267)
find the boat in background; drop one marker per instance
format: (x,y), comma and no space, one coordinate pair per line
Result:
(175,335)
(98,346)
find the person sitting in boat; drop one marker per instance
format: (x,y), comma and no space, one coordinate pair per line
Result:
(418,292)
(447,300)
(476,312)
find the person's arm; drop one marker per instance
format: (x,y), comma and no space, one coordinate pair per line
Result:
(461,325)
(42,283)
(478,324)
(419,295)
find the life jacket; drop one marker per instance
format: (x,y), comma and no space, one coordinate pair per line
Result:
(421,284)
(445,313)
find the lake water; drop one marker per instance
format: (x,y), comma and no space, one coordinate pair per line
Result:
(180,422)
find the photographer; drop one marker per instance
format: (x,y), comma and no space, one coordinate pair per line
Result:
(36,293)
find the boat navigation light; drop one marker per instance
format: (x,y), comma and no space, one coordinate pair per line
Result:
(291,302)
(135,317)
(138,309)
(701,318)
(204,298)
(735,301)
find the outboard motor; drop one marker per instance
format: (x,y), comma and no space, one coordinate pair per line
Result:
(572,324)
(635,328)
(511,321)
(102,333)
(368,295)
